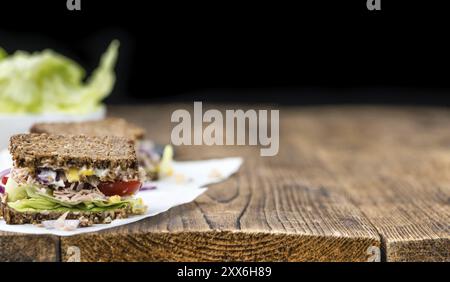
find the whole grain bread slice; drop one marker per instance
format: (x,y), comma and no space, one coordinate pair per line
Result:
(109,126)
(11,216)
(66,151)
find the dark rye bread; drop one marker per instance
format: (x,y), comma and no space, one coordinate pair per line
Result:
(109,126)
(12,216)
(66,151)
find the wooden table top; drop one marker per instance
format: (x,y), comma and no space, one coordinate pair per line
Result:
(348,184)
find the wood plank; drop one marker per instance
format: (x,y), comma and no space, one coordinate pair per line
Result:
(260,214)
(24,247)
(394,165)
(346,181)
(391,162)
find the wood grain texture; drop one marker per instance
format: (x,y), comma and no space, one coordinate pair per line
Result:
(347,180)
(258,215)
(394,165)
(22,247)
(267,212)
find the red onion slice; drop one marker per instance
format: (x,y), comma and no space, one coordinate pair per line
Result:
(3,173)
(148,186)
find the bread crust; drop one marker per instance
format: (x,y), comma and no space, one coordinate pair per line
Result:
(66,151)
(109,126)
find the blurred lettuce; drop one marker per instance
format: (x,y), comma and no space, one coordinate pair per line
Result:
(46,82)
(3,54)
(165,167)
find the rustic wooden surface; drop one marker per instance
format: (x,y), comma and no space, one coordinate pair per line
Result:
(27,248)
(346,182)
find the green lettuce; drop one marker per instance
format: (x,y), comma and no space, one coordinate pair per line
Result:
(48,82)
(14,191)
(36,200)
(3,54)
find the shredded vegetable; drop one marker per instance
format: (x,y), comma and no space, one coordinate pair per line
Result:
(3,174)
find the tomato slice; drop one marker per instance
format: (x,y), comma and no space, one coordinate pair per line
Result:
(4,180)
(121,188)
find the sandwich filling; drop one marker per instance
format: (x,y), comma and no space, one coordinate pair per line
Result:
(73,189)
(149,160)
(152,164)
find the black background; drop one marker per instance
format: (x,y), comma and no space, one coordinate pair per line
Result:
(280,270)
(311,52)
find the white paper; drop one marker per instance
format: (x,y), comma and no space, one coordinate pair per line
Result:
(187,183)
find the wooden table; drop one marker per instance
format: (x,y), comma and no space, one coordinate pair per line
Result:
(348,184)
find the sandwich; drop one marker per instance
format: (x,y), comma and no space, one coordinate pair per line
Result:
(148,156)
(87,178)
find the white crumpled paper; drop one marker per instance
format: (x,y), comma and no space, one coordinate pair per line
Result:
(187,183)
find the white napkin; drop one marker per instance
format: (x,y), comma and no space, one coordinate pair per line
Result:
(186,184)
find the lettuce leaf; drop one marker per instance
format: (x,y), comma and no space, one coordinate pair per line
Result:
(3,54)
(42,204)
(14,191)
(165,167)
(34,204)
(48,82)
(37,201)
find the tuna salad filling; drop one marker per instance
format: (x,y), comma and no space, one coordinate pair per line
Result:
(59,190)
(61,178)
